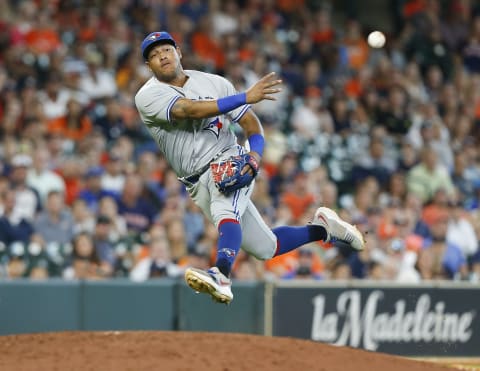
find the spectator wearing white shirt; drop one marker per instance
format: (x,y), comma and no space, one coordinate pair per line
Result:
(27,201)
(107,206)
(97,82)
(41,178)
(157,264)
(309,119)
(55,97)
(460,231)
(83,218)
(113,179)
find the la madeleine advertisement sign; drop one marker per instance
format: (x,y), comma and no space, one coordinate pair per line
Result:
(423,321)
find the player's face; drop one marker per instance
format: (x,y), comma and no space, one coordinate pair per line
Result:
(164,61)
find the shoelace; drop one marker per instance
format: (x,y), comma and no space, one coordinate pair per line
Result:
(213,274)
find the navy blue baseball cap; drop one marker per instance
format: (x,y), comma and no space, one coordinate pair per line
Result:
(155,38)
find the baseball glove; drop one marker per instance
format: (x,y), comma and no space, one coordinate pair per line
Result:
(227,173)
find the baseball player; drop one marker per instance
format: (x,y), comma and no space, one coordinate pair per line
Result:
(189,113)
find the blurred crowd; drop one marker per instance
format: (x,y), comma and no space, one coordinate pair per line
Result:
(387,137)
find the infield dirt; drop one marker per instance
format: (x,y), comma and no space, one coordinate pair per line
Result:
(188,351)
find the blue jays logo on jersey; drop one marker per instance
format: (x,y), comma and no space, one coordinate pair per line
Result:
(228,252)
(214,126)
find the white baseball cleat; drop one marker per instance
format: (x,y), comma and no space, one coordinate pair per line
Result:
(211,282)
(338,229)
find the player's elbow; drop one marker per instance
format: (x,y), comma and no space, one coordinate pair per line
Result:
(186,114)
(195,114)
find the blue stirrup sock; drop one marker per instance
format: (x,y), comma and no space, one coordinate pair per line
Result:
(290,238)
(229,241)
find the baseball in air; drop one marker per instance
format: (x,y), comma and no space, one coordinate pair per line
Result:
(376,39)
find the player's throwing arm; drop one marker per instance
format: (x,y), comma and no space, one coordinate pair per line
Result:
(263,89)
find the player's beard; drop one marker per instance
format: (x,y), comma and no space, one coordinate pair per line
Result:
(169,76)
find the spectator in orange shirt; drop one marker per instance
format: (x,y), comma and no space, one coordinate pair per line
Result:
(323,31)
(436,206)
(43,37)
(206,46)
(298,198)
(357,48)
(295,262)
(71,171)
(75,125)
(309,266)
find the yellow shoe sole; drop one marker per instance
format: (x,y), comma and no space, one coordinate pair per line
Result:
(199,285)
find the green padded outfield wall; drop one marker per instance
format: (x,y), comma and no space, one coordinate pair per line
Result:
(56,305)
(124,305)
(162,304)
(30,306)
(246,313)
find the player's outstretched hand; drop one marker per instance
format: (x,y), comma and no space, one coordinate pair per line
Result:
(264,88)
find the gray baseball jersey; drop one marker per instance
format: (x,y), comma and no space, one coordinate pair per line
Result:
(189,144)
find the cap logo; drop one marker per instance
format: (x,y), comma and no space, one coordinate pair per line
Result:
(153,38)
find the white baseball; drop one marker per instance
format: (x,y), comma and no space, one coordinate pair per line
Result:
(376,39)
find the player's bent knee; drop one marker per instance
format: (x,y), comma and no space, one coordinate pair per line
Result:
(267,255)
(261,251)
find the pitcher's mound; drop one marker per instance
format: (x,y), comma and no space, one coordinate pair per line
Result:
(187,351)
